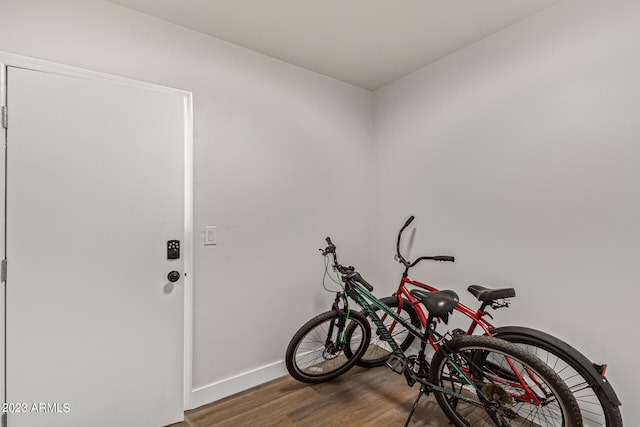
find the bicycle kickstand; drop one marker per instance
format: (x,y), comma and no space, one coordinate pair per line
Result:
(415,405)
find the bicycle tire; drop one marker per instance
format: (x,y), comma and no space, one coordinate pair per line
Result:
(498,398)
(312,355)
(379,350)
(573,368)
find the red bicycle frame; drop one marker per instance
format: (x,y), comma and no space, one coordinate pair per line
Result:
(477,320)
(477,317)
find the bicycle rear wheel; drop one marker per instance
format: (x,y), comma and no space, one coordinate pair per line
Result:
(596,408)
(509,386)
(317,352)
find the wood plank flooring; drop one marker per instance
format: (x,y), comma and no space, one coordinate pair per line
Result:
(361,397)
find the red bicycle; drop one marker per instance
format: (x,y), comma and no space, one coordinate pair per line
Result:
(597,399)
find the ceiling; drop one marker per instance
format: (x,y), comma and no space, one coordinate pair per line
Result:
(367,43)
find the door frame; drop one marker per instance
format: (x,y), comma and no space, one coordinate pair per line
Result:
(12,60)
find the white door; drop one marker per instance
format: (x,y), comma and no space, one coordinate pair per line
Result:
(95,189)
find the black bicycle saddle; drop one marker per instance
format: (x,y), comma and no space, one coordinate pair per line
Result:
(490,295)
(439,304)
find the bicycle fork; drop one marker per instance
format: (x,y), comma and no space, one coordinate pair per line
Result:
(342,321)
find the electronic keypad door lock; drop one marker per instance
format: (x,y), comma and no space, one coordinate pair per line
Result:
(173,249)
(174,276)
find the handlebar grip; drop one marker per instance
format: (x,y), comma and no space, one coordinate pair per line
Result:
(358,278)
(409,221)
(444,258)
(328,239)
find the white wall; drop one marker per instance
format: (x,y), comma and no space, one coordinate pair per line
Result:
(520,155)
(282,159)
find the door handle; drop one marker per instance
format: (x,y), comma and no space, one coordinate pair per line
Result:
(174,276)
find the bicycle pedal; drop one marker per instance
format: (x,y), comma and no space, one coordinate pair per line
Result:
(397,364)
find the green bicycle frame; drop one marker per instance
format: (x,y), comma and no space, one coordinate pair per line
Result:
(360,295)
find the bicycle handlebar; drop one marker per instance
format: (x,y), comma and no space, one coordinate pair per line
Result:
(409,221)
(358,278)
(445,258)
(330,249)
(349,272)
(409,264)
(406,224)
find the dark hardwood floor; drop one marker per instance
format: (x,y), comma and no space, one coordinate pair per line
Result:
(361,397)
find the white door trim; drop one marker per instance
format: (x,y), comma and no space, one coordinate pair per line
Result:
(8,59)
(3,175)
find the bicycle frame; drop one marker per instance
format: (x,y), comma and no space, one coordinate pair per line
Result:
(477,317)
(360,296)
(354,288)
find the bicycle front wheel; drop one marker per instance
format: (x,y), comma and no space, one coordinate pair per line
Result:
(485,381)
(317,352)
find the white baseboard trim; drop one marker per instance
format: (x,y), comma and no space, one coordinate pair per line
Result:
(217,390)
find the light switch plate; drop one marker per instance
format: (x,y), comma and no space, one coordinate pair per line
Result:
(210,235)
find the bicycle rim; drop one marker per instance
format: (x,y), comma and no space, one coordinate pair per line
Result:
(316,353)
